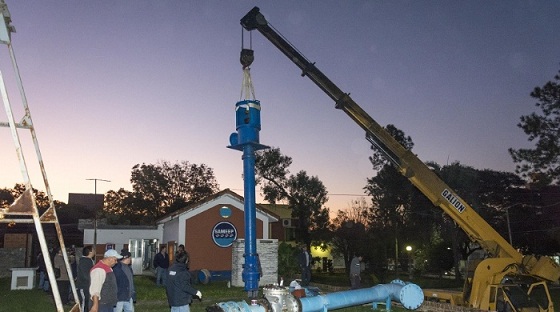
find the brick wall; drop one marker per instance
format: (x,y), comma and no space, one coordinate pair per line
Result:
(11,258)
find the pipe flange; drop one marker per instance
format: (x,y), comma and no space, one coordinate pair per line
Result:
(411,296)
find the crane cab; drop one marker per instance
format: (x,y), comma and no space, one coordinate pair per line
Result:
(517,298)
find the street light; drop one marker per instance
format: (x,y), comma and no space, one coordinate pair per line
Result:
(410,261)
(95,212)
(396,255)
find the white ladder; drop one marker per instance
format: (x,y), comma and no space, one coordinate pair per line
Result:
(26,206)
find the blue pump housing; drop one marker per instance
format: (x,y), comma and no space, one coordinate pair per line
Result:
(247,124)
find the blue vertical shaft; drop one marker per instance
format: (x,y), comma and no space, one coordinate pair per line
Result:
(251,269)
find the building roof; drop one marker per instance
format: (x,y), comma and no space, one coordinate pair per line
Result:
(84,224)
(212,197)
(283,211)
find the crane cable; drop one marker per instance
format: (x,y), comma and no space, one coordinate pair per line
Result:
(246,58)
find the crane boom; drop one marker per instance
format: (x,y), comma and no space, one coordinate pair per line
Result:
(406,162)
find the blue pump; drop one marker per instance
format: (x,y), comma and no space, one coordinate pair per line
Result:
(246,139)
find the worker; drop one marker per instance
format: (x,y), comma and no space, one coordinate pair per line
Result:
(179,290)
(355,271)
(305,265)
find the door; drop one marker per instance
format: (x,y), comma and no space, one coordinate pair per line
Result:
(149,248)
(136,254)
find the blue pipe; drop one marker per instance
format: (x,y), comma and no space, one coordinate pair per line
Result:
(205,276)
(250,273)
(409,295)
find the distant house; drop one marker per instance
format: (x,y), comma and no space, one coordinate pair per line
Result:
(285,229)
(141,240)
(90,202)
(206,228)
(209,227)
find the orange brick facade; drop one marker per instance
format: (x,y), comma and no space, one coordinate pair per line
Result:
(204,253)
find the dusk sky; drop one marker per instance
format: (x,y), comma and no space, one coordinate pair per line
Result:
(111,84)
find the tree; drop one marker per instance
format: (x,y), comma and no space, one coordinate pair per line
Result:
(463,180)
(391,198)
(349,228)
(305,195)
(150,186)
(440,258)
(71,214)
(159,189)
(8,196)
(488,192)
(125,207)
(189,183)
(378,159)
(544,127)
(288,264)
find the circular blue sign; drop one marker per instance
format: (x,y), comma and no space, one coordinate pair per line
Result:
(225,212)
(223,234)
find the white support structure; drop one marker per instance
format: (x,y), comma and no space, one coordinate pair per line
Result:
(25,206)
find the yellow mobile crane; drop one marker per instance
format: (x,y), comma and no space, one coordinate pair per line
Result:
(506,280)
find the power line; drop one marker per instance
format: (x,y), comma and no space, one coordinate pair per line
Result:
(329,194)
(346,194)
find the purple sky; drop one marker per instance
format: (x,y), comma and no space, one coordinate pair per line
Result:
(111,84)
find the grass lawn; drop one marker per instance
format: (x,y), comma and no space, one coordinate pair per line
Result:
(151,298)
(23,300)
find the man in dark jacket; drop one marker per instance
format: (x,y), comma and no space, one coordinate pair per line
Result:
(63,280)
(161,263)
(43,276)
(305,260)
(125,283)
(179,289)
(82,277)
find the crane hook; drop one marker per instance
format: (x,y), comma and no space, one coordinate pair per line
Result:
(247,57)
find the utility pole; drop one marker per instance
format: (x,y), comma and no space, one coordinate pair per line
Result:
(509,226)
(508,221)
(95,212)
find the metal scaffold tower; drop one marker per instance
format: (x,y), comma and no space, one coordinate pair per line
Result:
(24,209)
